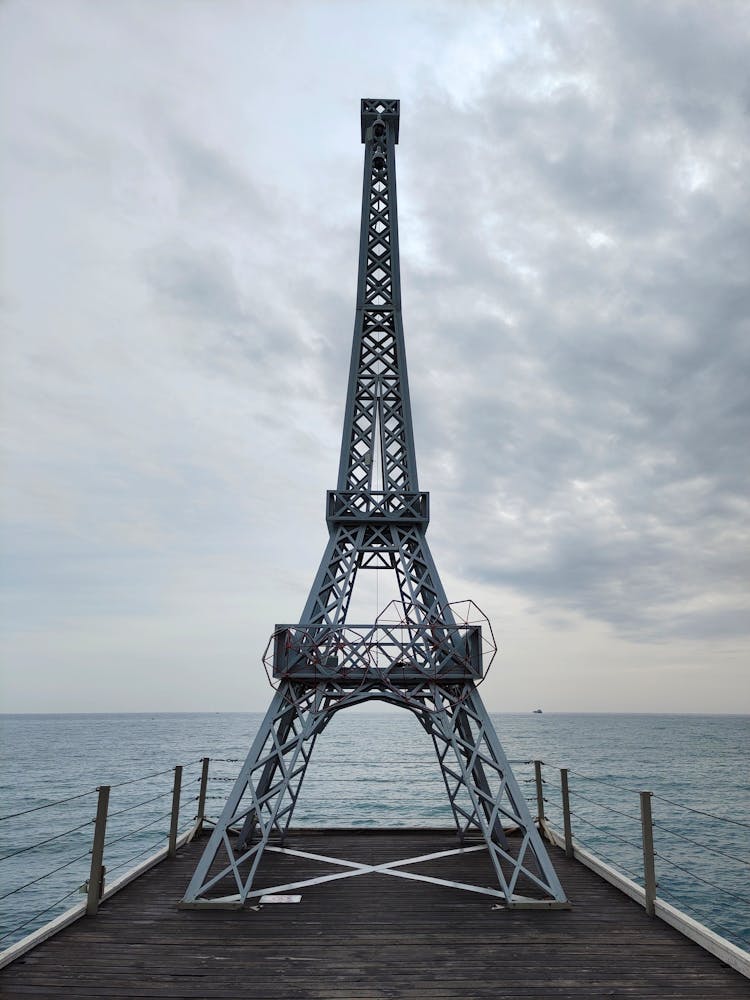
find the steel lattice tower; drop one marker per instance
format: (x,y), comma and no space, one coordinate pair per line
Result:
(422,654)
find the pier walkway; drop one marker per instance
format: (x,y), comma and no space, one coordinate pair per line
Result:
(371,936)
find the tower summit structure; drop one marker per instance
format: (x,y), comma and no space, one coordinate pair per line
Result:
(422,653)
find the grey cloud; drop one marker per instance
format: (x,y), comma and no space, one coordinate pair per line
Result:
(210,181)
(197,283)
(606,380)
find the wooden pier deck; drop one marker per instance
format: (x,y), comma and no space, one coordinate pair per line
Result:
(368,937)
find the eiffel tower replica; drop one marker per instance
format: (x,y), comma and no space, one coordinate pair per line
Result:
(422,653)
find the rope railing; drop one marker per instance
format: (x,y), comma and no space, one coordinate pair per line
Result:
(40,913)
(435,779)
(183,794)
(603,781)
(662,798)
(143,777)
(658,825)
(681,904)
(702,812)
(697,843)
(40,878)
(184,800)
(607,833)
(49,805)
(604,805)
(381,760)
(137,805)
(139,829)
(161,795)
(47,840)
(150,848)
(92,791)
(649,826)
(714,885)
(616,863)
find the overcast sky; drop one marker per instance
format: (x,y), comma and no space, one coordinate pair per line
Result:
(180,202)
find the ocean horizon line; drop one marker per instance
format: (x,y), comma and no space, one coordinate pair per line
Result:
(363,710)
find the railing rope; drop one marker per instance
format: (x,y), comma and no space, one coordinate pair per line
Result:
(94,886)
(96,876)
(649,870)
(643,871)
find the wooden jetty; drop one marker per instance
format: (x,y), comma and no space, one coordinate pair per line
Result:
(369,937)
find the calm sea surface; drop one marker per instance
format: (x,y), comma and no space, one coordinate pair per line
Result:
(378,769)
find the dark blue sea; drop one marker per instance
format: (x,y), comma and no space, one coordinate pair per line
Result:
(378,769)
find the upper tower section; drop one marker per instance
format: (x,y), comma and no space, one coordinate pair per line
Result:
(378,108)
(377,447)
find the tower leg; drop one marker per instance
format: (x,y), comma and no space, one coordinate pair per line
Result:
(471,758)
(265,783)
(263,796)
(464,724)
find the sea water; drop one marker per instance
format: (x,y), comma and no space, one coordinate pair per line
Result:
(379,769)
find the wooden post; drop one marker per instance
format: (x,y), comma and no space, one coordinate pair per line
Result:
(200,816)
(566,812)
(649,868)
(96,875)
(175,811)
(539,790)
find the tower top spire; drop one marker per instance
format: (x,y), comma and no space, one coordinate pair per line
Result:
(377,445)
(374,108)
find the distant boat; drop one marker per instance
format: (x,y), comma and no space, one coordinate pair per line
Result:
(537,711)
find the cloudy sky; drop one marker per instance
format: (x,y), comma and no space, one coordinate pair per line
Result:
(180,200)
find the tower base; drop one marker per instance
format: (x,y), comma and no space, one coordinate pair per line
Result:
(484,796)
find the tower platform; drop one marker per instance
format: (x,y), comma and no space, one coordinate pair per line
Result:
(369,937)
